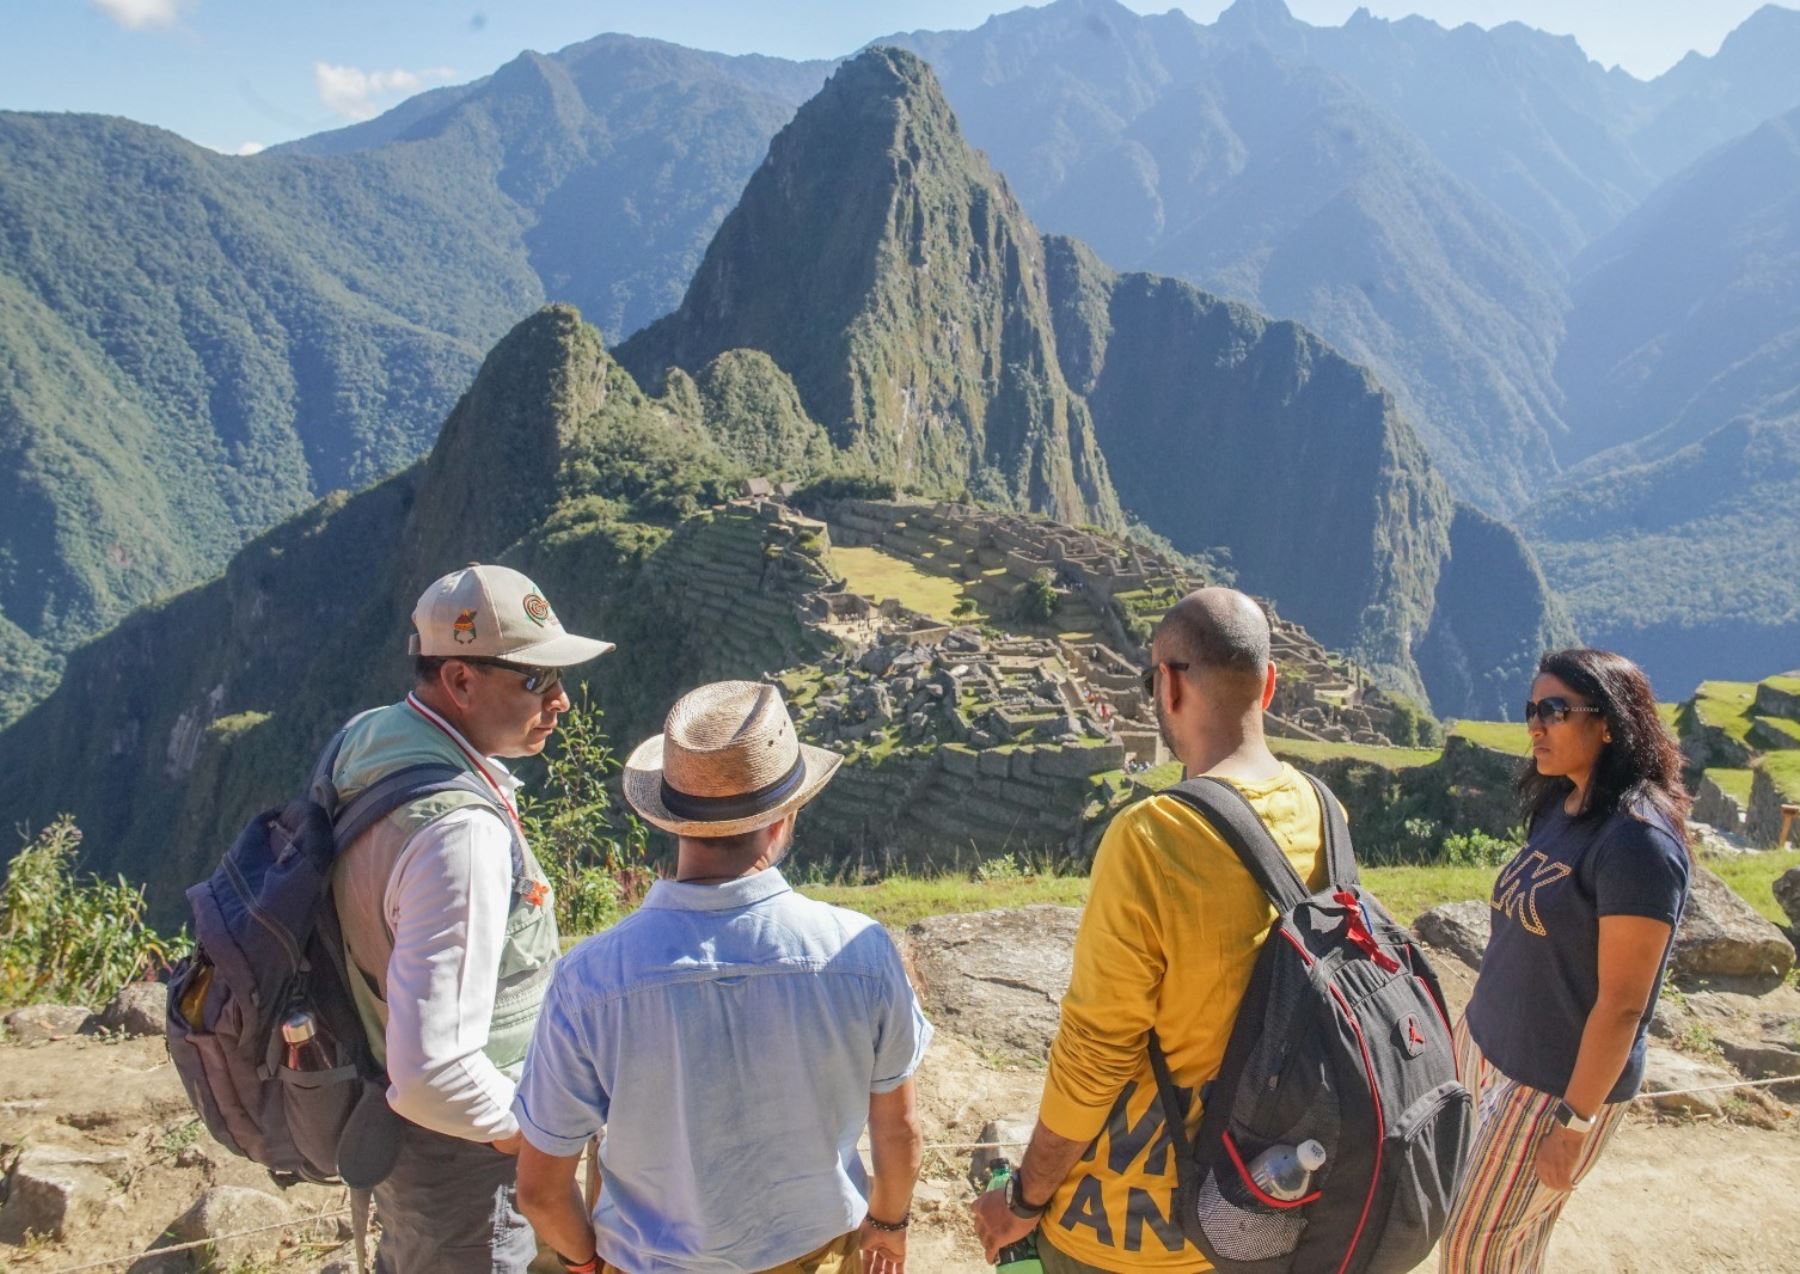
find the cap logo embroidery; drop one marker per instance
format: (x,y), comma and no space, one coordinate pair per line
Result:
(537,610)
(462,630)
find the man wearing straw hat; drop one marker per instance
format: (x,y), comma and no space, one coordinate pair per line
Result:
(733,1037)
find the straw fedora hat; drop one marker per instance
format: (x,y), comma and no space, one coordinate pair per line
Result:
(727,761)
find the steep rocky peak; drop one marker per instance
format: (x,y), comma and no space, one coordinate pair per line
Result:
(492,474)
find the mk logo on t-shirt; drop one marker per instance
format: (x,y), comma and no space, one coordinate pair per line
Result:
(1516,891)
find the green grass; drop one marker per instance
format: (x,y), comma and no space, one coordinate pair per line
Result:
(900,900)
(877,574)
(1782,726)
(1734,783)
(1502,736)
(1669,712)
(1725,705)
(1783,769)
(1787,683)
(1312,751)
(1752,876)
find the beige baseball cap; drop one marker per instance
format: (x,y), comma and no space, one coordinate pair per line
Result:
(493,612)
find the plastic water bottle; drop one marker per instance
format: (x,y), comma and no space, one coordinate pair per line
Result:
(1286,1172)
(1021,1257)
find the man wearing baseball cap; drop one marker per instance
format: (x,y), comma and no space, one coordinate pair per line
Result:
(733,1037)
(448,918)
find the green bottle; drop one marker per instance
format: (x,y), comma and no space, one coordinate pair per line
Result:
(1020,1257)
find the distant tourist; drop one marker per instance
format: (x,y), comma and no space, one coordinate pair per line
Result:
(449,918)
(1173,926)
(1552,1043)
(733,1037)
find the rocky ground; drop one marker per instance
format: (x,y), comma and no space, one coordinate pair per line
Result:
(105,1161)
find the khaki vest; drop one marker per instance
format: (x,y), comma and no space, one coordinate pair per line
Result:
(376,744)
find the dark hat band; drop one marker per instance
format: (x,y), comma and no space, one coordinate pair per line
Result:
(728,809)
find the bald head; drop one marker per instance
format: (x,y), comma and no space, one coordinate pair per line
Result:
(1221,634)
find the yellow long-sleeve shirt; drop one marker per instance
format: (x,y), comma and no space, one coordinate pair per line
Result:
(1172,930)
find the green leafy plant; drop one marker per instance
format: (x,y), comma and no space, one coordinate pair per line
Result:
(1037,599)
(1005,867)
(594,850)
(1478,849)
(69,939)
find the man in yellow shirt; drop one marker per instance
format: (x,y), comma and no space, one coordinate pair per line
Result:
(1173,927)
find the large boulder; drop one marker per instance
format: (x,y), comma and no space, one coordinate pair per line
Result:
(38,1022)
(1722,935)
(997,977)
(52,1191)
(1787,893)
(138,1009)
(1461,928)
(229,1210)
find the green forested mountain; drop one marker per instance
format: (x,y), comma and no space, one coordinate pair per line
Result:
(1677,533)
(891,273)
(193,347)
(942,341)
(170,729)
(1688,315)
(1228,428)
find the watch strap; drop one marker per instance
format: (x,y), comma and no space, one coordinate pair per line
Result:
(1567,1118)
(1015,1199)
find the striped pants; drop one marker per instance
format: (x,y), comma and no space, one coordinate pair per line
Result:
(1501,1220)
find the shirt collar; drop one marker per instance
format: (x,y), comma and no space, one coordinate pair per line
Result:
(496,771)
(680,895)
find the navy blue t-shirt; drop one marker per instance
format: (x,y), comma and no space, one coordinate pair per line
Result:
(1541,974)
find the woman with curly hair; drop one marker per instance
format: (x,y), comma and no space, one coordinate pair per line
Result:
(1552,1043)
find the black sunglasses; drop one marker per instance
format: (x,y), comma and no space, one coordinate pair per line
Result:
(1553,709)
(1148,680)
(537,680)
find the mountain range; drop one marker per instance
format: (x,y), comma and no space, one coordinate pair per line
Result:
(935,335)
(193,347)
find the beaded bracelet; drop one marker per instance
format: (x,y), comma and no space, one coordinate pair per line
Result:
(891,1227)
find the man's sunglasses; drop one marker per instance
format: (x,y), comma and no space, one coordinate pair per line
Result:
(1553,709)
(538,681)
(1148,680)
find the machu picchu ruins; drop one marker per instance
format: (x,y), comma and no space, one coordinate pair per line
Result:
(1003,715)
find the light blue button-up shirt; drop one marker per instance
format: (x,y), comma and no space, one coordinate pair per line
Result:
(728,1038)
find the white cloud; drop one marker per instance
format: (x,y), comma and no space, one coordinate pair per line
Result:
(248,148)
(354,93)
(134,15)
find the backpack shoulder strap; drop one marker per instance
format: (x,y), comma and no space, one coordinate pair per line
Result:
(389,793)
(1242,828)
(1340,858)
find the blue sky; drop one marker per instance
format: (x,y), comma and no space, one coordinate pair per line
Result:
(238,74)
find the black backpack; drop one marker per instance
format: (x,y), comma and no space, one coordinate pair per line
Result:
(269,944)
(1343,1039)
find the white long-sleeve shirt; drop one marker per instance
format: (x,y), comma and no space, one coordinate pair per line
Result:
(447,904)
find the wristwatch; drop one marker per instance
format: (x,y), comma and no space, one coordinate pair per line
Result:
(1567,1118)
(1015,1199)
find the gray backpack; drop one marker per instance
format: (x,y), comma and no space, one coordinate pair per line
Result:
(268,944)
(1342,1039)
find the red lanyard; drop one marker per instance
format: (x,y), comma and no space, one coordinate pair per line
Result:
(474,760)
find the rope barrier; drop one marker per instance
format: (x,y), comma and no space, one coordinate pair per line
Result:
(199,1243)
(930,1145)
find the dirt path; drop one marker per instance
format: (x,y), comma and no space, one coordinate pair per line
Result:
(1687,1197)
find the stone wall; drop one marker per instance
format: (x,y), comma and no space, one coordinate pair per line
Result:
(1762,821)
(1712,804)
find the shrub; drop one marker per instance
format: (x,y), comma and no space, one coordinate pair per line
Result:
(1478,849)
(1037,600)
(67,939)
(595,852)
